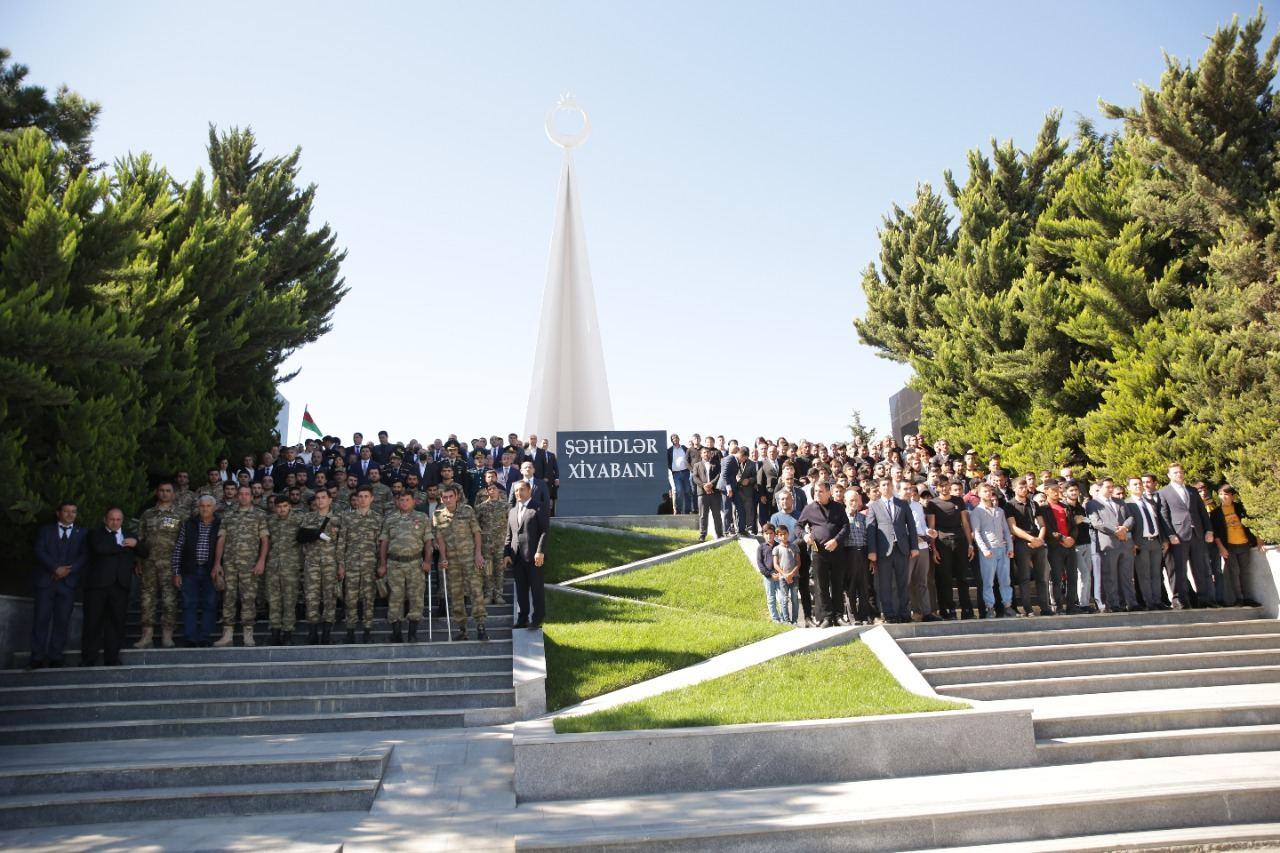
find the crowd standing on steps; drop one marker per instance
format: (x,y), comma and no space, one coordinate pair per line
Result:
(331,527)
(854,533)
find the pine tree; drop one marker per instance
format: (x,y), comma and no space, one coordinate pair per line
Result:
(68,120)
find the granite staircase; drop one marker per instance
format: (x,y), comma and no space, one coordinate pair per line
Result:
(195,732)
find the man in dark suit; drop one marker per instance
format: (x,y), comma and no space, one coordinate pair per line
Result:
(523,552)
(746,493)
(508,473)
(363,465)
(705,476)
(891,542)
(767,473)
(539,494)
(731,503)
(286,466)
(1190,530)
(547,469)
(61,554)
(382,450)
(107,581)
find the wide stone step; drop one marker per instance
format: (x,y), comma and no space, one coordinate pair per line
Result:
(1092,651)
(1109,683)
(1100,634)
(160,692)
(1004,672)
(222,707)
(1248,836)
(224,671)
(753,821)
(1115,747)
(1137,720)
(287,654)
(1089,620)
(188,772)
(189,802)
(262,624)
(254,725)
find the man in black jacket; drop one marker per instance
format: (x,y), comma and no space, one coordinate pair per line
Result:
(107,581)
(192,562)
(523,553)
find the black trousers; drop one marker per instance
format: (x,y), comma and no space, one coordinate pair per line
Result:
(953,569)
(529,588)
(828,573)
(104,614)
(709,506)
(804,578)
(858,583)
(1031,564)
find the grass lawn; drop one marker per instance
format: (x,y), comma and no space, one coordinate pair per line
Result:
(595,646)
(574,553)
(843,681)
(719,580)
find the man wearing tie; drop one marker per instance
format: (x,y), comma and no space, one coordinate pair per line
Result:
(705,476)
(364,464)
(1151,538)
(106,590)
(523,553)
(1113,525)
(508,473)
(61,554)
(1188,523)
(891,543)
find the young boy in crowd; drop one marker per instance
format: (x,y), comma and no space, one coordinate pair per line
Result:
(786,563)
(772,580)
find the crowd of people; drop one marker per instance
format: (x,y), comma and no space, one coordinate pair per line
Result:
(852,532)
(333,527)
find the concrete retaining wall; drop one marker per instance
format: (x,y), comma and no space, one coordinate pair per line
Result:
(550,766)
(16,613)
(529,673)
(1262,580)
(688,522)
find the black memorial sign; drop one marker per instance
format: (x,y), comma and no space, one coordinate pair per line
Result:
(611,473)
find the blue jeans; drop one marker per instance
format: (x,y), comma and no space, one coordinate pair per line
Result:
(773,595)
(790,594)
(997,565)
(684,491)
(198,594)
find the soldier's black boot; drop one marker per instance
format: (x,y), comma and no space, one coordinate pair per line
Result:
(413,631)
(326,633)
(313,636)
(286,637)
(367,636)
(351,636)
(395,633)
(275,636)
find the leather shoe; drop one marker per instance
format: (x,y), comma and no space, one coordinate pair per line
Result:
(521,623)
(929,617)
(481,633)
(535,626)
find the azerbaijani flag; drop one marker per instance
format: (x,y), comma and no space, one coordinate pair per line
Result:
(309,424)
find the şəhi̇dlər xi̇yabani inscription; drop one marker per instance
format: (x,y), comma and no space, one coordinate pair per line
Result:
(611,473)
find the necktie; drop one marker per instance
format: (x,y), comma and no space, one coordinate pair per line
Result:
(66,532)
(1146,513)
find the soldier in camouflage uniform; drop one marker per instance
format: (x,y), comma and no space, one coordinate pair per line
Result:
(284,569)
(323,559)
(361,532)
(383,502)
(404,560)
(458,536)
(213,486)
(230,498)
(241,557)
(184,500)
(492,517)
(158,531)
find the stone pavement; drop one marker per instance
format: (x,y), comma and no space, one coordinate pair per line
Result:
(443,791)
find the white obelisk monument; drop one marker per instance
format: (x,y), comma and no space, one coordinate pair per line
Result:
(569,389)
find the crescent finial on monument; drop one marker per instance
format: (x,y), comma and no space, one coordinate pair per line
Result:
(567,104)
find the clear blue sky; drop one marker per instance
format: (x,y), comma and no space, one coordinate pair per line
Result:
(741,159)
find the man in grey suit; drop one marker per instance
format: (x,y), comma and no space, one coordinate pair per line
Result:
(523,554)
(891,542)
(1188,522)
(706,474)
(1113,523)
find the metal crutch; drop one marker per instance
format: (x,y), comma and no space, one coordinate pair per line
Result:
(444,582)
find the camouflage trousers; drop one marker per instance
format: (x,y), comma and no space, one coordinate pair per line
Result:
(282,595)
(242,586)
(322,591)
(493,571)
(465,579)
(405,580)
(360,588)
(157,582)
